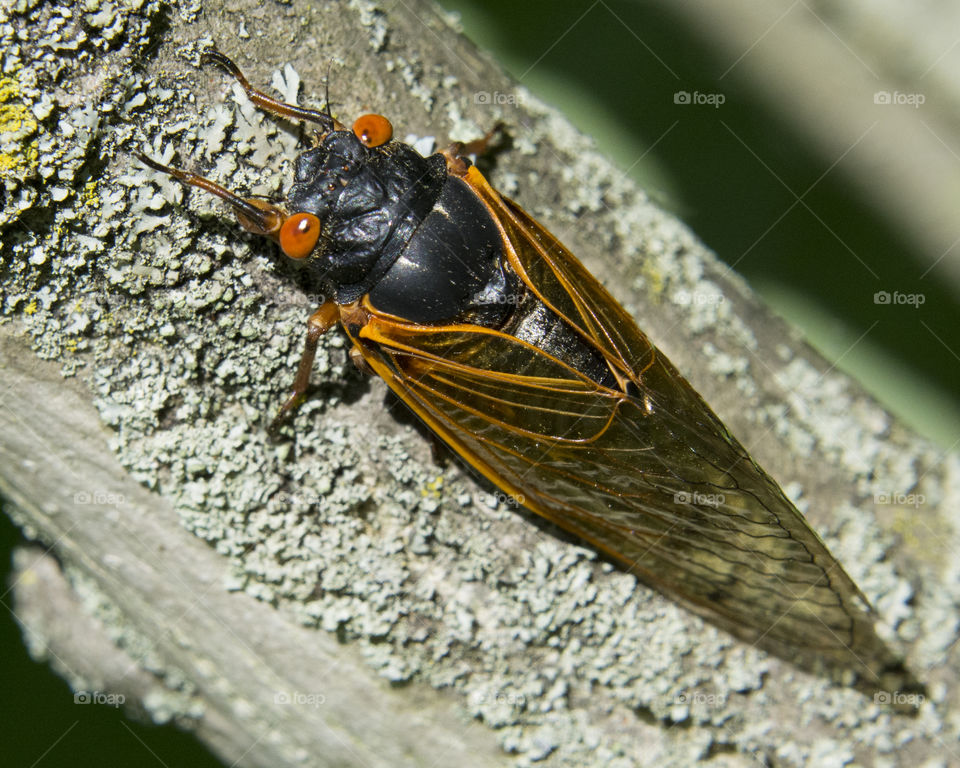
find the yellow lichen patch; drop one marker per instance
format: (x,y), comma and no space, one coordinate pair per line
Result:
(89,196)
(654,279)
(433,488)
(20,161)
(16,125)
(9,91)
(15,118)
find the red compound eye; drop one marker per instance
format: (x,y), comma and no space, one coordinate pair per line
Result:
(373,130)
(299,235)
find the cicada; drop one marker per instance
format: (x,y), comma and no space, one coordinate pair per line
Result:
(518,359)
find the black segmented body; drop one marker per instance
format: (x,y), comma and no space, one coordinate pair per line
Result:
(396,226)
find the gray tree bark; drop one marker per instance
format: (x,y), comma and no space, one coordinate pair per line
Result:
(336,598)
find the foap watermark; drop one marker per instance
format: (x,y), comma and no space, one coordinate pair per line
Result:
(696,298)
(299,699)
(99,697)
(698,99)
(494,500)
(498,697)
(299,499)
(898,699)
(492,298)
(100,498)
(915,500)
(489,98)
(697,499)
(899,99)
(697,698)
(286,298)
(915,300)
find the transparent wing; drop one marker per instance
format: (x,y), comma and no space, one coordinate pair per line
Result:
(646,473)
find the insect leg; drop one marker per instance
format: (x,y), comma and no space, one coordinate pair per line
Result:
(359,362)
(318,324)
(268,103)
(458,150)
(440,452)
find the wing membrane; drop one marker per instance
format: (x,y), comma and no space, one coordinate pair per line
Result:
(647,473)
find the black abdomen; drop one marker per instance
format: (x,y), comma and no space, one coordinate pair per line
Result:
(536,324)
(454,270)
(449,260)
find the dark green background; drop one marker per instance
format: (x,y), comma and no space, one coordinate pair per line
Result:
(614,89)
(46,729)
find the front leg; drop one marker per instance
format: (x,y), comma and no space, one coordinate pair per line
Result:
(457,152)
(318,324)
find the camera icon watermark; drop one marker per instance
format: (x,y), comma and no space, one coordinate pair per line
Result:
(915,500)
(299,499)
(697,499)
(485,297)
(100,498)
(896,98)
(898,699)
(915,300)
(99,697)
(701,699)
(494,500)
(517,700)
(488,98)
(299,699)
(686,98)
(697,298)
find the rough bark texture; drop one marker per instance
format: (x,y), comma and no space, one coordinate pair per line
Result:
(336,593)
